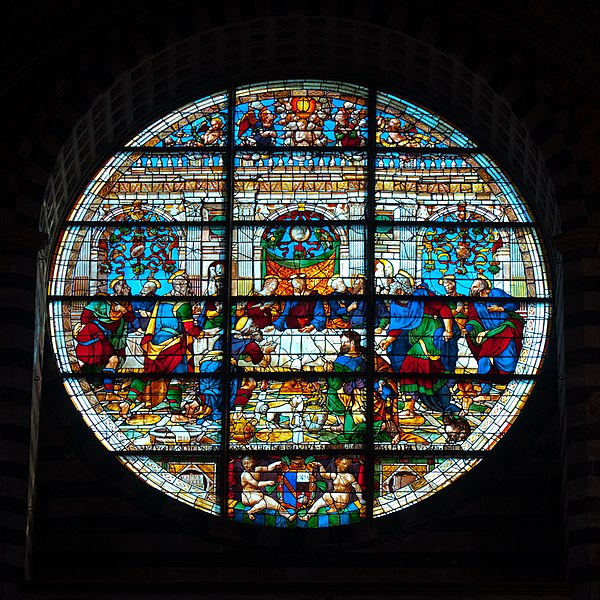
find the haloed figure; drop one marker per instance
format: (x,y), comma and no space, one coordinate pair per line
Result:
(168,347)
(143,307)
(102,334)
(346,396)
(494,332)
(303,315)
(264,311)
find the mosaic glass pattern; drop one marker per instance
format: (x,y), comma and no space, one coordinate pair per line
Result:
(202,123)
(296,491)
(273,317)
(404,480)
(301,114)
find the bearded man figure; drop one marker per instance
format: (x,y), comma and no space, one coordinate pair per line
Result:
(168,348)
(101,337)
(494,332)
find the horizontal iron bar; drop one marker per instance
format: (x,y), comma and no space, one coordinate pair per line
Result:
(239,223)
(283,298)
(290,150)
(306,376)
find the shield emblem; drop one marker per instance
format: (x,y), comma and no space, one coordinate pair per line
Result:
(297,487)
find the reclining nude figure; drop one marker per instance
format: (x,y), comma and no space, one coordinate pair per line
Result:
(252,494)
(343,485)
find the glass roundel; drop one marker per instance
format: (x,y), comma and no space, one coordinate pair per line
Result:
(299,304)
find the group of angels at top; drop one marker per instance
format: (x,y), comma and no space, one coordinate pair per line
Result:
(299,121)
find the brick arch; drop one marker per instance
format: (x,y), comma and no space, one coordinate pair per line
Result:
(496,108)
(497,95)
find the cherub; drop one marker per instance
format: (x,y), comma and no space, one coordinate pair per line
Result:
(343,485)
(214,133)
(252,494)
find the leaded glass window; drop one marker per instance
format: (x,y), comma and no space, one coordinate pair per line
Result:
(299,304)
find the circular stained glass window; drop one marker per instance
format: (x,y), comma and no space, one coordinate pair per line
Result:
(299,304)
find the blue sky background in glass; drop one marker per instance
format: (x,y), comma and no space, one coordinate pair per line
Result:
(325,109)
(180,121)
(443,130)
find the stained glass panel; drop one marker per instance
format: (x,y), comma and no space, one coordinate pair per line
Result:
(298,244)
(129,413)
(401,481)
(287,414)
(427,412)
(401,123)
(192,480)
(456,188)
(296,491)
(298,114)
(462,336)
(119,260)
(432,257)
(200,123)
(281,311)
(140,187)
(324,185)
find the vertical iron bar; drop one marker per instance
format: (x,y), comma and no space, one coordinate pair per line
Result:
(369,453)
(227,297)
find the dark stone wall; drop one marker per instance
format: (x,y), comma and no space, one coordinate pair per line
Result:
(522,78)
